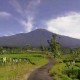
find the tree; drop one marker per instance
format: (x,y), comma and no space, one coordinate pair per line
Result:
(54,45)
(42,48)
(28,47)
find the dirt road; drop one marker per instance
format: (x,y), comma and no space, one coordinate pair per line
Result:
(42,73)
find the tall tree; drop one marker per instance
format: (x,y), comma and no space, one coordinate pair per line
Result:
(54,45)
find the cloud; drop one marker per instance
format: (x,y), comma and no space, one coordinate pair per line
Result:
(28,14)
(27,25)
(68,25)
(31,8)
(4,14)
(16,6)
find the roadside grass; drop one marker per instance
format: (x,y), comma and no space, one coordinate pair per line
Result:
(57,72)
(66,68)
(16,71)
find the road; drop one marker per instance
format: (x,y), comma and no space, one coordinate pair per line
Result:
(42,73)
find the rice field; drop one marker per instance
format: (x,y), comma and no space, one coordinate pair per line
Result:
(16,66)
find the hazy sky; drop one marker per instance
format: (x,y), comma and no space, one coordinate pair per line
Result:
(58,16)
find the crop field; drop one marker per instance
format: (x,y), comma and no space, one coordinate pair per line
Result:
(67,67)
(15,66)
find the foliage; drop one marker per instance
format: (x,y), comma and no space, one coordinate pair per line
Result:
(66,68)
(16,71)
(57,72)
(54,45)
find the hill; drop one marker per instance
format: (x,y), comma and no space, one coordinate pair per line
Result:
(37,38)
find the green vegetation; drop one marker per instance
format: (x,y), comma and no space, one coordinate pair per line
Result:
(57,72)
(67,67)
(65,71)
(67,64)
(16,62)
(54,46)
(18,65)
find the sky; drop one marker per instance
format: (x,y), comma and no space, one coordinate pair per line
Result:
(22,16)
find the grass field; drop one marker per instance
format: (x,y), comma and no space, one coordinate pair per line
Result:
(17,70)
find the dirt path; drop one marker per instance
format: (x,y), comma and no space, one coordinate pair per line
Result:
(42,73)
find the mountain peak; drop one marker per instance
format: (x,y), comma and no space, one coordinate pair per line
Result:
(40,30)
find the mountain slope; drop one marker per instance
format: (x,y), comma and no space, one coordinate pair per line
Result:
(37,38)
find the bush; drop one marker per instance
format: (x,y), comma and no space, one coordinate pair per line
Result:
(62,71)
